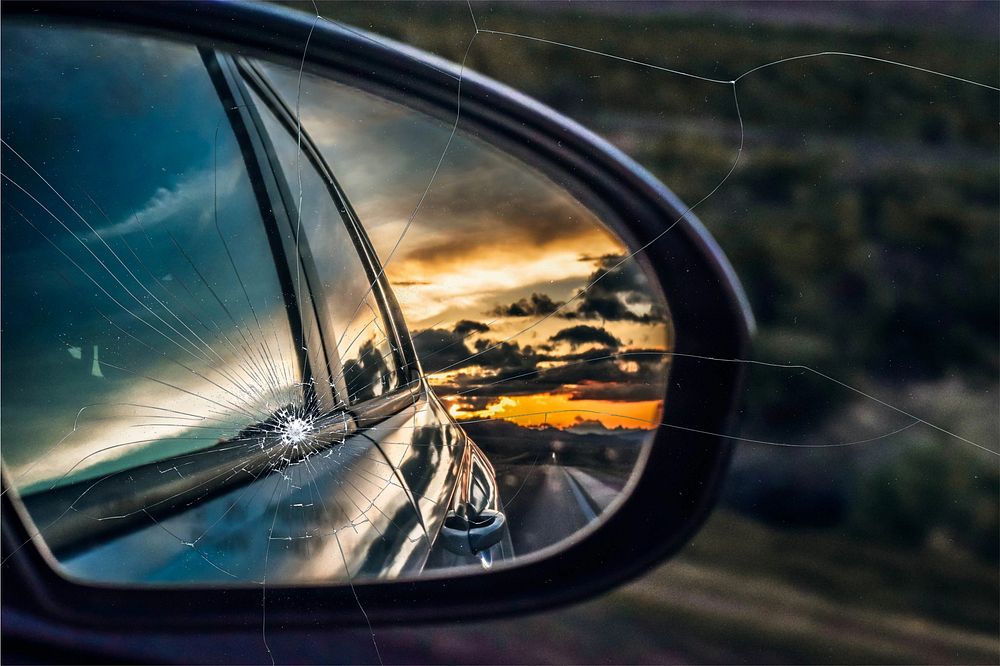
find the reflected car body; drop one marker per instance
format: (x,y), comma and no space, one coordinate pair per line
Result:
(357,479)
(360,484)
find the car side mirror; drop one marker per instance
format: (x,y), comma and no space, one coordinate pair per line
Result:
(507,374)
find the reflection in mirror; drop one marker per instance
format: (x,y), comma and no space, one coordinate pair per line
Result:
(258,330)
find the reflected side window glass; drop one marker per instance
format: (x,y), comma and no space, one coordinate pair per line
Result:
(354,323)
(147,335)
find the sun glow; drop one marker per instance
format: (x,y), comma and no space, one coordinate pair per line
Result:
(560,410)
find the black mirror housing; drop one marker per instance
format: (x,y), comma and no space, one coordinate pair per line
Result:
(682,470)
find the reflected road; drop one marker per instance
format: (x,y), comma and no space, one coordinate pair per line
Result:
(546,503)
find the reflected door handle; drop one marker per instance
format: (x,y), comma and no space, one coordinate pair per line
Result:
(465,535)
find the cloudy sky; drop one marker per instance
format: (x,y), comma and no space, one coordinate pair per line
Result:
(492,269)
(134,279)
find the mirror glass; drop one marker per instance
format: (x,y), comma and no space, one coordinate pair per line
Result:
(263,327)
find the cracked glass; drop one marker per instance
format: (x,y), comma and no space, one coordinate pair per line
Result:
(231,393)
(844,156)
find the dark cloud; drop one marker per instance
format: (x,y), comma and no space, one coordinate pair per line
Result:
(595,354)
(438,348)
(536,305)
(605,309)
(615,293)
(506,356)
(467,326)
(583,334)
(599,374)
(640,378)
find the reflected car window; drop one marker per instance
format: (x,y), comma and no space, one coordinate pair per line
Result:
(144,316)
(356,327)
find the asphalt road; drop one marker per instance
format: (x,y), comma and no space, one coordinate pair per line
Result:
(549,502)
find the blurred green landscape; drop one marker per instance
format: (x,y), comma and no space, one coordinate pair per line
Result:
(862,218)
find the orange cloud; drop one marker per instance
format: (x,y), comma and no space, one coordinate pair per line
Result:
(561,411)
